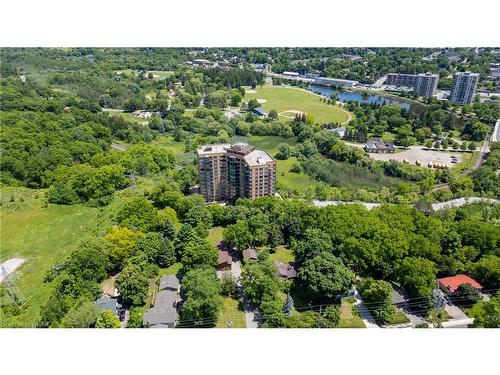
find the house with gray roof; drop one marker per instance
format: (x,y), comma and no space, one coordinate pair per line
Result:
(164,312)
(107,304)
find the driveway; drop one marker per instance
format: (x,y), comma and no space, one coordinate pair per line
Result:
(400,298)
(249,309)
(364,313)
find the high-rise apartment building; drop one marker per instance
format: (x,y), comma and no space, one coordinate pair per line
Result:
(424,84)
(228,172)
(464,85)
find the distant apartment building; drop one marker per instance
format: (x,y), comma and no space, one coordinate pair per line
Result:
(424,84)
(228,172)
(323,81)
(398,79)
(464,85)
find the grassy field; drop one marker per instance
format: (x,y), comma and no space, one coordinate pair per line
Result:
(349,317)
(231,312)
(282,254)
(42,235)
(161,74)
(177,148)
(126,115)
(283,99)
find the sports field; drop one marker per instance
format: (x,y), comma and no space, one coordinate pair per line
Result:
(289,100)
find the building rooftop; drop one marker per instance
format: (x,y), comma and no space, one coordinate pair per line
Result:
(224,258)
(107,304)
(213,149)
(453,282)
(249,253)
(169,282)
(164,312)
(258,157)
(285,270)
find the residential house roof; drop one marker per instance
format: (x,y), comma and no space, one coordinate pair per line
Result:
(260,111)
(224,258)
(285,270)
(249,253)
(169,282)
(452,283)
(107,304)
(164,313)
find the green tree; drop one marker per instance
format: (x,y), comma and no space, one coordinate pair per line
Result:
(107,320)
(203,301)
(487,271)
(238,235)
(325,276)
(135,318)
(199,252)
(487,313)
(83,315)
(378,294)
(417,276)
(133,285)
(273,114)
(258,280)
(158,250)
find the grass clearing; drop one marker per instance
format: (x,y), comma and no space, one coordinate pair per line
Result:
(288,99)
(349,316)
(215,235)
(126,115)
(397,318)
(44,236)
(170,271)
(232,313)
(167,143)
(161,74)
(282,254)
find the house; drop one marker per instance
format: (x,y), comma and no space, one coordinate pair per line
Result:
(341,131)
(450,284)
(376,146)
(164,312)
(249,253)
(170,282)
(259,111)
(107,304)
(225,261)
(285,270)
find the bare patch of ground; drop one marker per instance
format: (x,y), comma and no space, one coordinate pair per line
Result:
(261,101)
(9,266)
(250,91)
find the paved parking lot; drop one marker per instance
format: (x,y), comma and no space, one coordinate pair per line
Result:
(425,156)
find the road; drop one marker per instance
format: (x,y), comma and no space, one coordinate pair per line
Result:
(459,202)
(118,147)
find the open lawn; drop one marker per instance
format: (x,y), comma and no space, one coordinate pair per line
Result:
(349,317)
(170,271)
(177,148)
(290,99)
(231,315)
(44,236)
(282,254)
(161,74)
(397,318)
(214,235)
(126,115)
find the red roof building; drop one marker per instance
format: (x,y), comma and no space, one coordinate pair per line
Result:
(451,284)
